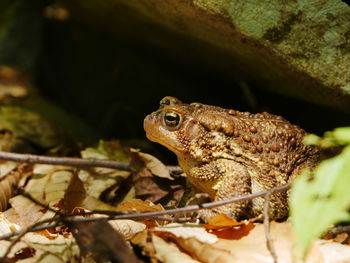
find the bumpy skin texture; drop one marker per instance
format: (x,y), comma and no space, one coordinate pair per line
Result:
(227,153)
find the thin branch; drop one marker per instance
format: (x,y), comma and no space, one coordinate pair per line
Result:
(67,161)
(113,215)
(269,241)
(192,208)
(73,161)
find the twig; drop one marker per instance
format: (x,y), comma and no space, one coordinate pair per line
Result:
(113,215)
(269,241)
(68,161)
(73,161)
(191,208)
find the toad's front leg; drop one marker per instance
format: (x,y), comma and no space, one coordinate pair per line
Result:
(223,179)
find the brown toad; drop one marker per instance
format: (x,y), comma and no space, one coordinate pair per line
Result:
(227,153)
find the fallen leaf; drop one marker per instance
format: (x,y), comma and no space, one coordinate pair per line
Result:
(252,248)
(169,253)
(157,189)
(34,247)
(6,226)
(223,220)
(127,228)
(99,180)
(205,252)
(154,165)
(236,232)
(10,178)
(142,240)
(100,239)
(24,212)
(60,187)
(139,206)
(188,231)
(109,185)
(106,150)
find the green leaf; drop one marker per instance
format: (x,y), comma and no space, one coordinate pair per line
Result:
(312,139)
(337,137)
(341,135)
(317,204)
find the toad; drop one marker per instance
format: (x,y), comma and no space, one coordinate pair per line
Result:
(227,153)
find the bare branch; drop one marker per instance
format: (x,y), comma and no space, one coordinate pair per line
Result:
(113,215)
(68,161)
(73,161)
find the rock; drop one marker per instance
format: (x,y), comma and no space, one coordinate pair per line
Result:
(296,48)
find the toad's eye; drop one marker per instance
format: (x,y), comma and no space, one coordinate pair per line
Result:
(172,119)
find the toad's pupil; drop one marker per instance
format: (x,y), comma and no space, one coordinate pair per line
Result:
(172,119)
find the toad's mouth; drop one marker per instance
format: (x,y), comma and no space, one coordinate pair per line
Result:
(154,138)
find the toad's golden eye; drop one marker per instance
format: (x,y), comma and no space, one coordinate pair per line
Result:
(172,119)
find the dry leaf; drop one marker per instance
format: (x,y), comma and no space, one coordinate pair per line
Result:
(157,189)
(23,212)
(55,186)
(188,231)
(102,241)
(169,253)
(42,169)
(142,240)
(252,248)
(151,179)
(227,228)
(205,252)
(35,247)
(109,185)
(223,220)
(6,226)
(11,174)
(233,233)
(127,228)
(197,243)
(248,248)
(92,203)
(139,206)
(154,165)
(329,252)
(58,187)
(98,180)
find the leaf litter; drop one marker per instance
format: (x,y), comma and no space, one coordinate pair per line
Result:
(68,189)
